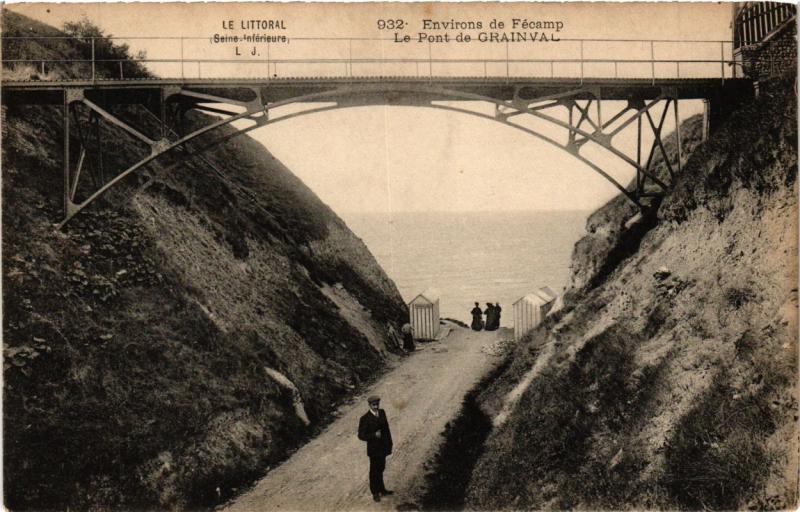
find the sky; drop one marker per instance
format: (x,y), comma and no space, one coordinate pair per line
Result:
(391,158)
(416,159)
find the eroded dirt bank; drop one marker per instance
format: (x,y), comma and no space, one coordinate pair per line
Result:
(669,381)
(192,328)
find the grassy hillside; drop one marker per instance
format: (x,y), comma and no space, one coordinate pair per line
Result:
(671,381)
(180,336)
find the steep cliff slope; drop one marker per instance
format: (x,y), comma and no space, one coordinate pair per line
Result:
(670,380)
(166,346)
(614,231)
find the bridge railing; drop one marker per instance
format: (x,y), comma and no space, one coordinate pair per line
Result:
(189,58)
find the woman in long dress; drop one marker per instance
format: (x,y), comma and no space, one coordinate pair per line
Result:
(477,322)
(490,317)
(408,337)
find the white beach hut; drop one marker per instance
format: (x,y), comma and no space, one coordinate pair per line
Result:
(530,310)
(547,293)
(424,312)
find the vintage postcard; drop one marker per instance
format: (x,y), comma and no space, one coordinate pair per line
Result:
(399,256)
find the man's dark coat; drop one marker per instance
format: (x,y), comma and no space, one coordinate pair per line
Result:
(368,426)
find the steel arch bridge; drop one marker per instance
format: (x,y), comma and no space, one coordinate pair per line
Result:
(646,105)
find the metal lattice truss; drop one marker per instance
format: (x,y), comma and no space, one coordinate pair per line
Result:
(574,118)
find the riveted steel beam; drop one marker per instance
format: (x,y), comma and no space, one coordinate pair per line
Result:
(642,108)
(108,116)
(678,141)
(657,135)
(215,110)
(347,95)
(65,155)
(99,177)
(614,119)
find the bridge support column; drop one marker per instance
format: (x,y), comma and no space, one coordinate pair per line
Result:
(99,179)
(716,113)
(678,140)
(65,129)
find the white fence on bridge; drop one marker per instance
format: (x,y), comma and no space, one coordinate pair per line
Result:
(192,58)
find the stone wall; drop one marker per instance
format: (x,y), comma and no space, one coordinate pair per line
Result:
(775,58)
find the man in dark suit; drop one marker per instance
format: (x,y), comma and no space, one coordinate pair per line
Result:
(374,429)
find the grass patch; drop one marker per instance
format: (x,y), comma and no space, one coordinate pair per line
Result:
(658,317)
(738,297)
(716,457)
(555,430)
(451,468)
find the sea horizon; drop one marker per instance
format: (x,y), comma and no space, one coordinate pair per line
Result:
(476,256)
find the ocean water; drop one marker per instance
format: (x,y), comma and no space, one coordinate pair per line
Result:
(468,257)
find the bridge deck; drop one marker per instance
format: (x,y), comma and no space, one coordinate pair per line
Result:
(274,89)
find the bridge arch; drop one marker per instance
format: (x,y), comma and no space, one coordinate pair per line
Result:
(258,110)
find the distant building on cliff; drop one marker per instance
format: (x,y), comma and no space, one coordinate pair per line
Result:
(757,25)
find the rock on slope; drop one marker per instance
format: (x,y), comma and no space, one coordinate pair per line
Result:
(161,351)
(670,381)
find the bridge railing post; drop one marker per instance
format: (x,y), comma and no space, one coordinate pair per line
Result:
(652,63)
(722,60)
(430,61)
(65,130)
(581,61)
(94,67)
(678,135)
(508,73)
(382,54)
(182,77)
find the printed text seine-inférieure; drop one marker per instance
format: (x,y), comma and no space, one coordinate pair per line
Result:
(249,38)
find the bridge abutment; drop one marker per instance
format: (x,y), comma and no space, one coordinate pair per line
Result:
(720,104)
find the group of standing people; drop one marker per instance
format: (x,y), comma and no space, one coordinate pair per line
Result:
(492,313)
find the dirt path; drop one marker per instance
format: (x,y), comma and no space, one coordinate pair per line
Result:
(420,395)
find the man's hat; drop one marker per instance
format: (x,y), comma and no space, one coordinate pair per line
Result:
(373,399)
